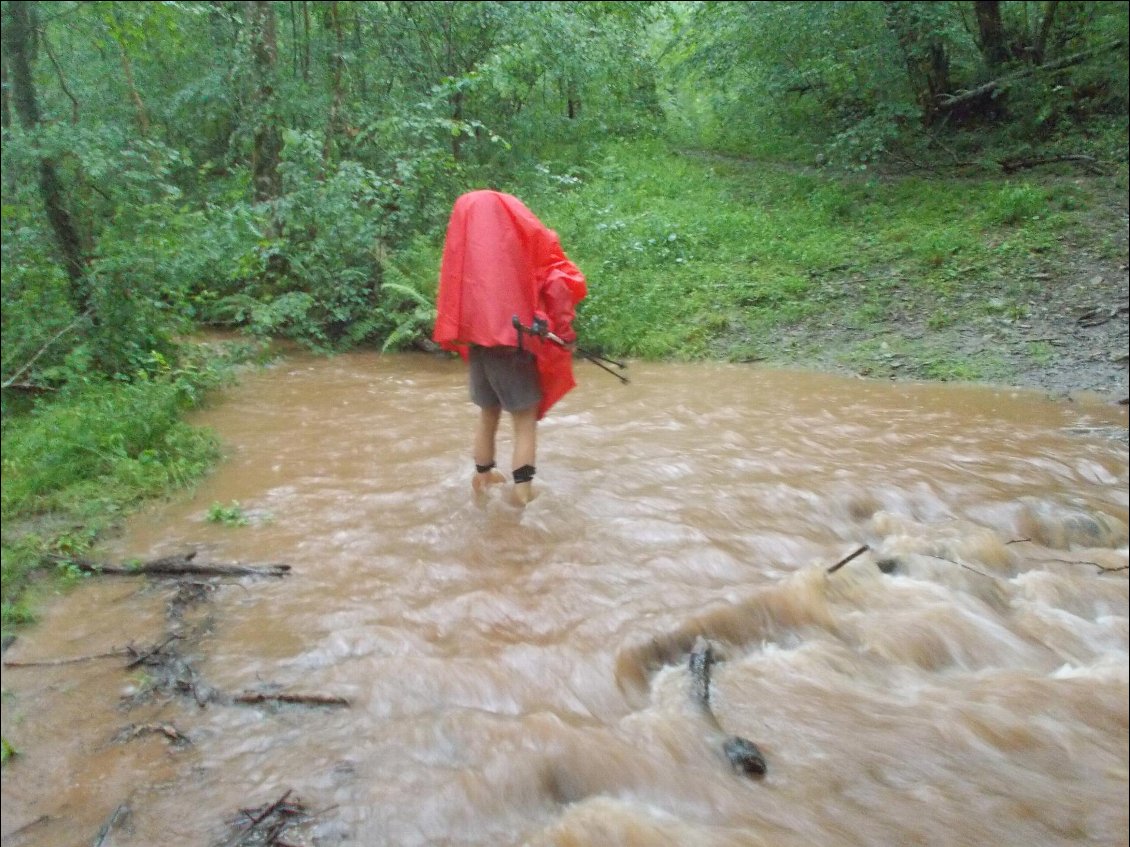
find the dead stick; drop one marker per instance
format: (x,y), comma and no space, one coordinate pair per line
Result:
(166,568)
(959,564)
(151,652)
(863,549)
(255,697)
(1102,568)
(108,827)
(240,837)
(16,833)
(43,663)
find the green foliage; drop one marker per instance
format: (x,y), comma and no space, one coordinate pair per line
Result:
(1016,203)
(7,751)
(856,83)
(76,464)
(229,515)
(99,443)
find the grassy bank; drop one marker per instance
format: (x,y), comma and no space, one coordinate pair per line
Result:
(74,466)
(692,255)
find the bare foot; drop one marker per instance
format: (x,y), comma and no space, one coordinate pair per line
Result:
(521,494)
(480,482)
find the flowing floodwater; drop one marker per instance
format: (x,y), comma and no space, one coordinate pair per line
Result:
(521,677)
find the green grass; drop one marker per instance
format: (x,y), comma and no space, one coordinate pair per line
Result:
(74,466)
(692,255)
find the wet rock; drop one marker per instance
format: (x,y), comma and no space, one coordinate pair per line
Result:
(744,756)
(1064,527)
(888,566)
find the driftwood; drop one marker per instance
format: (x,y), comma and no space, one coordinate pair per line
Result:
(858,552)
(143,656)
(267,823)
(742,753)
(174,735)
(251,698)
(27,827)
(73,660)
(122,813)
(177,566)
(137,657)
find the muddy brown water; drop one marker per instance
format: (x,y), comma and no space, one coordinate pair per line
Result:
(520,677)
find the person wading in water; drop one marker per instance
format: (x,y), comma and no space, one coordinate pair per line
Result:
(506,302)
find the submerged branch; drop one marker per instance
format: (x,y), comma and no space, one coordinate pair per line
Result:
(72,660)
(176,566)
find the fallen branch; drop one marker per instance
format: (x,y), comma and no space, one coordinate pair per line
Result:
(11,381)
(948,101)
(16,833)
(744,756)
(176,566)
(1102,568)
(251,698)
(73,660)
(257,818)
(174,735)
(960,565)
(30,388)
(860,551)
(123,811)
(140,657)
(1090,163)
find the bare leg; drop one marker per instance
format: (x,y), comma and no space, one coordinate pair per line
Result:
(525,450)
(485,433)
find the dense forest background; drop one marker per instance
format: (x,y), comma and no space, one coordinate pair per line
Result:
(285,169)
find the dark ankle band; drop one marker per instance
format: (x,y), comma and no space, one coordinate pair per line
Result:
(524,473)
(484,468)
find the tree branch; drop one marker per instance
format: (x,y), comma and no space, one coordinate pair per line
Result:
(8,383)
(949,101)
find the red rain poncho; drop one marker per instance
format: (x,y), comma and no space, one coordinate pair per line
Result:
(499,261)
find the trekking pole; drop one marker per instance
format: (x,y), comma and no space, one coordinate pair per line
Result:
(542,331)
(592,357)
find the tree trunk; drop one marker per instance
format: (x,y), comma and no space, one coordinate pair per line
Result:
(306,41)
(336,65)
(127,72)
(267,143)
(6,121)
(993,41)
(927,63)
(457,116)
(1040,46)
(19,38)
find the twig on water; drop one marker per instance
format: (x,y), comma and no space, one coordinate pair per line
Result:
(72,660)
(145,655)
(861,550)
(961,565)
(123,811)
(256,697)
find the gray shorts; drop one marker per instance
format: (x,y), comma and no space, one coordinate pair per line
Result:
(504,376)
